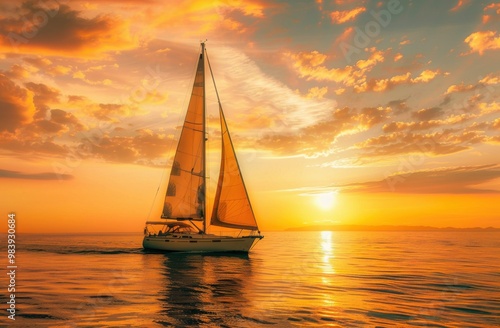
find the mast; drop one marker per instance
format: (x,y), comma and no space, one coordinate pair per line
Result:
(204,146)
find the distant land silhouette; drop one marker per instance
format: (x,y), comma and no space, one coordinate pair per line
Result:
(385,228)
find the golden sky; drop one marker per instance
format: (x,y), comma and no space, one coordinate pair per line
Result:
(341,111)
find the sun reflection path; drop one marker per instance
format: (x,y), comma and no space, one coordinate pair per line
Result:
(327,250)
(327,268)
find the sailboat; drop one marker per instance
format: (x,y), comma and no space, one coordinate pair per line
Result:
(183,223)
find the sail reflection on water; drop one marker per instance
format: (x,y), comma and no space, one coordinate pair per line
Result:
(203,290)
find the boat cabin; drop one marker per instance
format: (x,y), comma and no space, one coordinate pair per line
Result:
(171,228)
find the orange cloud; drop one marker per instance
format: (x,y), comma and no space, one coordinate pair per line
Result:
(30,124)
(375,57)
(308,65)
(254,8)
(317,92)
(448,180)
(33,176)
(16,103)
(427,113)
(425,125)
(435,143)
(494,6)
(483,40)
(193,18)
(496,124)
(495,16)
(459,5)
(143,148)
(58,123)
(318,138)
(488,108)
(64,32)
(340,17)
(425,76)
(44,96)
(313,58)
(82,76)
(106,111)
(388,83)
(459,88)
(320,4)
(491,79)
(18,72)
(347,34)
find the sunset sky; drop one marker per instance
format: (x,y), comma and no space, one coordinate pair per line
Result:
(341,111)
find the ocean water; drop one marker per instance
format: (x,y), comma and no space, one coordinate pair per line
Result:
(290,279)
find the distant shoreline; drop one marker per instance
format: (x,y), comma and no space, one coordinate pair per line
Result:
(388,228)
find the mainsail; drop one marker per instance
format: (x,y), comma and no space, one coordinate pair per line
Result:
(232,208)
(185,196)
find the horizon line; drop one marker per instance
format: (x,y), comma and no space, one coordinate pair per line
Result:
(336,227)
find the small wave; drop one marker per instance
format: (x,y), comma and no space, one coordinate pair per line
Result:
(255,320)
(99,251)
(37,316)
(387,315)
(101,296)
(467,310)
(328,319)
(452,286)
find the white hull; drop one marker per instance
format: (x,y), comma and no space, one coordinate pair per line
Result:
(199,243)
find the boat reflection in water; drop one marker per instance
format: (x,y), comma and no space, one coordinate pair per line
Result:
(207,290)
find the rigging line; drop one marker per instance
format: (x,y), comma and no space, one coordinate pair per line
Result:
(156,194)
(213,78)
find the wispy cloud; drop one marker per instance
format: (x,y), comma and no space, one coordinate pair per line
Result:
(459,5)
(344,16)
(451,180)
(282,107)
(7,174)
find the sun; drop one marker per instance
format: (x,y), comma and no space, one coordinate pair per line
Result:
(326,200)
